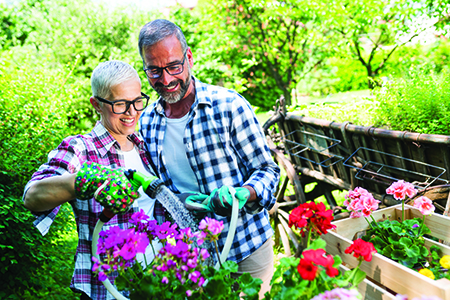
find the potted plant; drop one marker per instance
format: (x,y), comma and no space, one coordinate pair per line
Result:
(178,271)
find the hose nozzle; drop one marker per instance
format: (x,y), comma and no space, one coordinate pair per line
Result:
(150,184)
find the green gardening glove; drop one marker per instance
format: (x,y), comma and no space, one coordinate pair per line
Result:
(110,187)
(195,202)
(221,200)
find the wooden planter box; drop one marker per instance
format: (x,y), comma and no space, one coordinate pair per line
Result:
(386,273)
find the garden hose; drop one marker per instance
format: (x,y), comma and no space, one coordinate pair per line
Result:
(150,185)
(108,285)
(231,231)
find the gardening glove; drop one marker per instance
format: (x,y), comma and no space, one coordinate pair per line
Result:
(109,187)
(195,202)
(221,200)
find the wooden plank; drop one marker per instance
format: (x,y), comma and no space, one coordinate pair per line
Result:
(446,156)
(369,290)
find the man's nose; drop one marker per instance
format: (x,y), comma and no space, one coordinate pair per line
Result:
(166,78)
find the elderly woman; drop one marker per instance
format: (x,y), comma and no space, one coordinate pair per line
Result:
(113,144)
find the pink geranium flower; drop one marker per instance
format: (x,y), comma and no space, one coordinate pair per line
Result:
(425,205)
(401,189)
(360,203)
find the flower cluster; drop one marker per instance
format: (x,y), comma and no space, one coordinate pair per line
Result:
(362,250)
(120,248)
(177,260)
(401,189)
(312,218)
(401,241)
(437,269)
(360,203)
(424,205)
(312,259)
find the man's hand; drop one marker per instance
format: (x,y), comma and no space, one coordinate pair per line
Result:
(195,202)
(109,187)
(221,200)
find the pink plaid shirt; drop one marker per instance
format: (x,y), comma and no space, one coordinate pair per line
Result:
(100,147)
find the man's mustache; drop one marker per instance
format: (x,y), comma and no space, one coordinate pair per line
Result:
(173,83)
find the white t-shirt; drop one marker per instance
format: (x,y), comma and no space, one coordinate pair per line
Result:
(133,161)
(176,160)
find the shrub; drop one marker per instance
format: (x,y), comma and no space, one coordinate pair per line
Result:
(34,108)
(419,103)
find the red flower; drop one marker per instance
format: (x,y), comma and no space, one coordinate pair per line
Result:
(317,257)
(311,215)
(307,270)
(322,219)
(330,270)
(360,249)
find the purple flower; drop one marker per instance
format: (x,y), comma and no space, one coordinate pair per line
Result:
(185,232)
(102,276)
(201,281)
(165,280)
(188,293)
(166,231)
(194,276)
(192,263)
(212,227)
(128,252)
(200,235)
(415,226)
(204,253)
(138,217)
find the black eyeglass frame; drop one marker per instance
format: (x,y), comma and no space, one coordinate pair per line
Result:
(160,70)
(127,103)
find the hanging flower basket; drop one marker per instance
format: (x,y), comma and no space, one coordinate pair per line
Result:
(383,271)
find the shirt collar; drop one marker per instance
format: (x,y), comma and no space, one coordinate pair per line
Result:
(200,97)
(103,140)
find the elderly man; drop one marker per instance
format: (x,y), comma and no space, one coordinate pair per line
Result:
(75,169)
(206,139)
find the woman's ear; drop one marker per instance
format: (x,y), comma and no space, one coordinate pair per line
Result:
(96,105)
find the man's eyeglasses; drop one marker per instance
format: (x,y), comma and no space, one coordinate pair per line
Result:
(173,69)
(122,106)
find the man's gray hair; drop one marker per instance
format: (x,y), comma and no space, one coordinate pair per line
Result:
(110,73)
(157,30)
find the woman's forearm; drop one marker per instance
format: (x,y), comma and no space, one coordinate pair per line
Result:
(50,192)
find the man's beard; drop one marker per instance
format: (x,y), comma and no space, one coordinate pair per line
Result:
(173,97)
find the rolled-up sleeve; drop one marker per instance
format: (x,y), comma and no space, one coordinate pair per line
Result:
(250,142)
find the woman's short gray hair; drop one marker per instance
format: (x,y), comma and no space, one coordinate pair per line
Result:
(110,73)
(156,31)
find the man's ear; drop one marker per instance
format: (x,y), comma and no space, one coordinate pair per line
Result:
(190,57)
(96,105)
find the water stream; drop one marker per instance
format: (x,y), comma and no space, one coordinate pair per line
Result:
(179,213)
(182,216)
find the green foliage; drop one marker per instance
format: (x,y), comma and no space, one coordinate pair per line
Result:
(400,241)
(371,31)
(15,25)
(80,35)
(33,115)
(420,103)
(358,111)
(268,46)
(287,282)
(34,110)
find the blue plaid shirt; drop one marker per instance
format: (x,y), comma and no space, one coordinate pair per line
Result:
(225,145)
